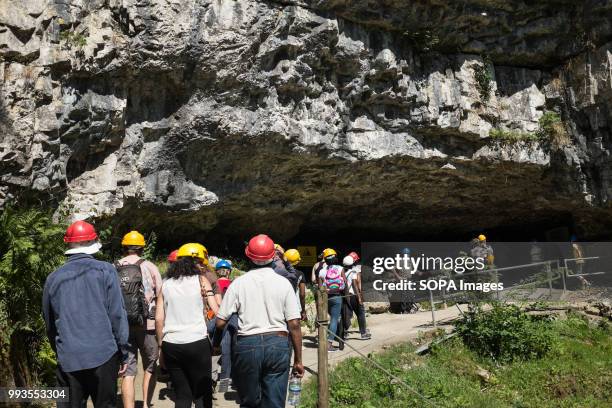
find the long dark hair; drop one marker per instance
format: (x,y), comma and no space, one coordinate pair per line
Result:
(332,260)
(184,266)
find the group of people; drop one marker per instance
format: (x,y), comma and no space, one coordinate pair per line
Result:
(100,316)
(342,282)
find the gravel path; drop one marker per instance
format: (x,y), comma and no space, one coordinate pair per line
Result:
(386,329)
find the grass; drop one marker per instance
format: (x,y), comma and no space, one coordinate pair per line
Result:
(576,373)
(551,129)
(513,136)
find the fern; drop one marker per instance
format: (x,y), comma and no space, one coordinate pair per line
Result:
(150,247)
(31,247)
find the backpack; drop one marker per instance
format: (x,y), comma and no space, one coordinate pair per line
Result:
(333,279)
(132,288)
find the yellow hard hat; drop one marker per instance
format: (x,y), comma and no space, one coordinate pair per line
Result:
(193,250)
(293,256)
(481,237)
(328,252)
(133,238)
(205,253)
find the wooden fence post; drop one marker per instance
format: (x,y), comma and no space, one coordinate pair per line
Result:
(323,389)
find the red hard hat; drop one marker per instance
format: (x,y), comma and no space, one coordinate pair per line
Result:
(260,248)
(354,255)
(172,256)
(80,231)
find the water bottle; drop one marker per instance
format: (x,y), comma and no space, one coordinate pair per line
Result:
(295,389)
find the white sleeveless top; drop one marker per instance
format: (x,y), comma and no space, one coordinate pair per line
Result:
(184,309)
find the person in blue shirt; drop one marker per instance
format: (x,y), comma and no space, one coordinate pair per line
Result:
(86,321)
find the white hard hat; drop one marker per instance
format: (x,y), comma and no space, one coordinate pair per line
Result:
(348,261)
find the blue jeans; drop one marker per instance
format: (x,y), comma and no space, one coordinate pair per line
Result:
(210,327)
(226,346)
(334,308)
(260,368)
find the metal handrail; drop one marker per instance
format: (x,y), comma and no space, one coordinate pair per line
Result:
(571,275)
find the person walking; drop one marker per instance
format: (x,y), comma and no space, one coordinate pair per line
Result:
(354,302)
(284,268)
(181,328)
(267,313)
(207,271)
(333,280)
(485,251)
(578,254)
(223,269)
(142,331)
(404,301)
(316,268)
(294,258)
(86,322)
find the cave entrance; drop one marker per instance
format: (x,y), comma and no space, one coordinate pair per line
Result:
(348,239)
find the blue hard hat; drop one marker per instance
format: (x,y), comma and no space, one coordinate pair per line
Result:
(223,264)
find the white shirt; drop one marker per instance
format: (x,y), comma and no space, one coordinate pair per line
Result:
(351,274)
(184,309)
(264,301)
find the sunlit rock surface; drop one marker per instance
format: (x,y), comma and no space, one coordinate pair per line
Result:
(277,116)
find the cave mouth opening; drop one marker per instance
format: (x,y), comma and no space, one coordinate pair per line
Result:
(227,243)
(350,239)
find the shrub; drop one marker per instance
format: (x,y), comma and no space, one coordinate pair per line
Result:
(483,77)
(552,129)
(150,247)
(505,333)
(73,39)
(31,247)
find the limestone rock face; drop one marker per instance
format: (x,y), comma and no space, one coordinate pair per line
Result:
(310,114)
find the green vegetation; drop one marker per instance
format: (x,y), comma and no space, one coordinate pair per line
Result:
(483,77)
(552,129)
(513,136)
(423,40)
(73,39)
(576,370)
(150,248)
(505,333)
(31,247)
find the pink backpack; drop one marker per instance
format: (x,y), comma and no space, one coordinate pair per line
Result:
(333,279)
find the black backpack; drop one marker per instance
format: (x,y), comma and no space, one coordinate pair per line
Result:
(130,278)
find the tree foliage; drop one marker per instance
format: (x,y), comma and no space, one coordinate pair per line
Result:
(31,247)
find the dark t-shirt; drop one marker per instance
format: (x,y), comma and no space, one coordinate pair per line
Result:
(300,277)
